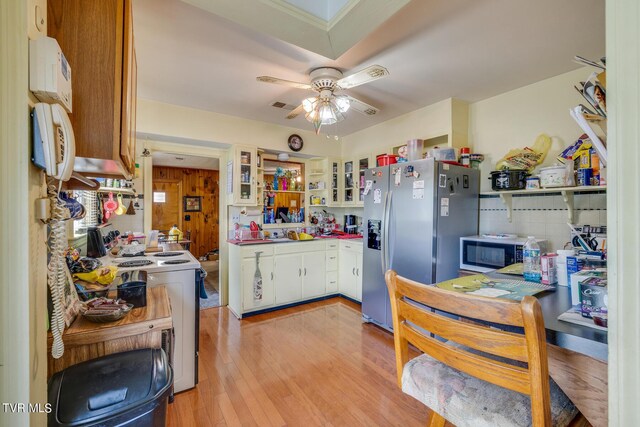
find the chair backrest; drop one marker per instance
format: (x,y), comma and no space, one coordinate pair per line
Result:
(410,320)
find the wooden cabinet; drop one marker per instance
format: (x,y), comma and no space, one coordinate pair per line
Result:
(141,328)
(244,171)
(97,40)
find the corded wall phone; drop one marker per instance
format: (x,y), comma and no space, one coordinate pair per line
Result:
(54,144)
(54,151)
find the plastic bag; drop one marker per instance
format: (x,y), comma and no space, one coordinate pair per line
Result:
(526,158)
(104,275)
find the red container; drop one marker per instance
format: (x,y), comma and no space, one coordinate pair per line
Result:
(386,159)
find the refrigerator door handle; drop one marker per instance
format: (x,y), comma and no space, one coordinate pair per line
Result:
(383,246)
(387,260)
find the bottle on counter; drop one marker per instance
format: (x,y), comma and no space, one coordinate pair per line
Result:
(531,259)
(465,157)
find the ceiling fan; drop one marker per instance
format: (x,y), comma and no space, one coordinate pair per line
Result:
(327,107)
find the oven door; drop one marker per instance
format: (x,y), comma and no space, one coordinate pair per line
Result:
(486,256)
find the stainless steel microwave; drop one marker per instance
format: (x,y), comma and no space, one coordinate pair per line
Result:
(483,254)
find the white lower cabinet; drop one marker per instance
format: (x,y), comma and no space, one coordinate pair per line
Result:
(251,301)
(293,272)
(313,274)
(350,270)
(288,277)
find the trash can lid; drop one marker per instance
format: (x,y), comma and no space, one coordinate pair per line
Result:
(103,388)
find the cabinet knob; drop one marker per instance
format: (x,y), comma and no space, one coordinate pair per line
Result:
(353,271)
(299,272)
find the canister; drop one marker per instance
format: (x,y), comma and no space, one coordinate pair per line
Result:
(533,183)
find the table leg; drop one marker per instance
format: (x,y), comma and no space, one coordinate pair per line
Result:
(584,381)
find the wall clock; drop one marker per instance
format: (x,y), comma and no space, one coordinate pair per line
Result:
(295,142)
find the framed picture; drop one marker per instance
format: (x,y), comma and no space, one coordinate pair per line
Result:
(192,203)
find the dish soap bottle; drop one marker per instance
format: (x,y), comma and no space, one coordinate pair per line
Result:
(175,234)
(531,259)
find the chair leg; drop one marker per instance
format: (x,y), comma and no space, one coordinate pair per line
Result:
(436,420)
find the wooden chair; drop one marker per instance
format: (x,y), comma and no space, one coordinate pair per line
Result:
(482,376)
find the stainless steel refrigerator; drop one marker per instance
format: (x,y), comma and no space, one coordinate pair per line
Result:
(414,216)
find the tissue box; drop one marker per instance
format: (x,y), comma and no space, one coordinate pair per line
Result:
(548,267)
(576,278)
(593,296)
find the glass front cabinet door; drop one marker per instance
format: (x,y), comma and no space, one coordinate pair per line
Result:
(244,176)
(363,163)
(335,176)
(349,184)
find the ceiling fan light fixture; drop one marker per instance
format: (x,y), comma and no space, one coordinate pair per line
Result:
(327,113)
(308,104)
(342,103)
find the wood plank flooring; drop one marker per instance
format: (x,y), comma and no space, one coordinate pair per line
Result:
(315,364)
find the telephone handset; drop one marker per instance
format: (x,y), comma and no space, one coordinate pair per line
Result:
(58,142)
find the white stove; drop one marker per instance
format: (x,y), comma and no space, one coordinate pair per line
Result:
(177,271)
(154,263)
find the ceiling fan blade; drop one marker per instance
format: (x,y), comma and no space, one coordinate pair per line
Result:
(362,107)
(369,74)
(274,80)
(295,112)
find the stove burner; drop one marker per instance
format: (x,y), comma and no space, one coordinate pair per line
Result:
(168,254)
(135,263)
(176,261)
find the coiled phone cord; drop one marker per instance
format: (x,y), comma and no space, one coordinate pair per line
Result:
(56,274)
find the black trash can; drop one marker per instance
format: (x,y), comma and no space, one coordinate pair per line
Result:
(123,389)
(132,287)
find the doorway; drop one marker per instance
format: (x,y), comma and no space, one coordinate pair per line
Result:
(167,204)
(186,194)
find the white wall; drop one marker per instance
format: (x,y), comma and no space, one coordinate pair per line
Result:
(173,121)
(427,122)
(514,119)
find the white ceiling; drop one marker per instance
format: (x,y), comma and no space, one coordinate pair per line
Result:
(323,9)
(184,161)
(434,49)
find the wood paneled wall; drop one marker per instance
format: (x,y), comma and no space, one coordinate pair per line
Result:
(204,224)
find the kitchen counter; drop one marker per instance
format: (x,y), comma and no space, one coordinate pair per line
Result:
(141,328)
(287,240)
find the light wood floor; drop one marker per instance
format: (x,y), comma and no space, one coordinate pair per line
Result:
(315,364)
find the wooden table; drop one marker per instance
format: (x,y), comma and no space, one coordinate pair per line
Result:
(141,328)
(577,356)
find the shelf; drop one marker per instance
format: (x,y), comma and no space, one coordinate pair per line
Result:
(566,192)
(116,190)
(282,191)
(316,173)
(317,189)
(283,225)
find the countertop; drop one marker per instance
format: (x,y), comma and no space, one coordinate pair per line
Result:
(581,339)
(287,240)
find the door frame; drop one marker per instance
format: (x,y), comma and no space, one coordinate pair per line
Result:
(223,155)
(180,197)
